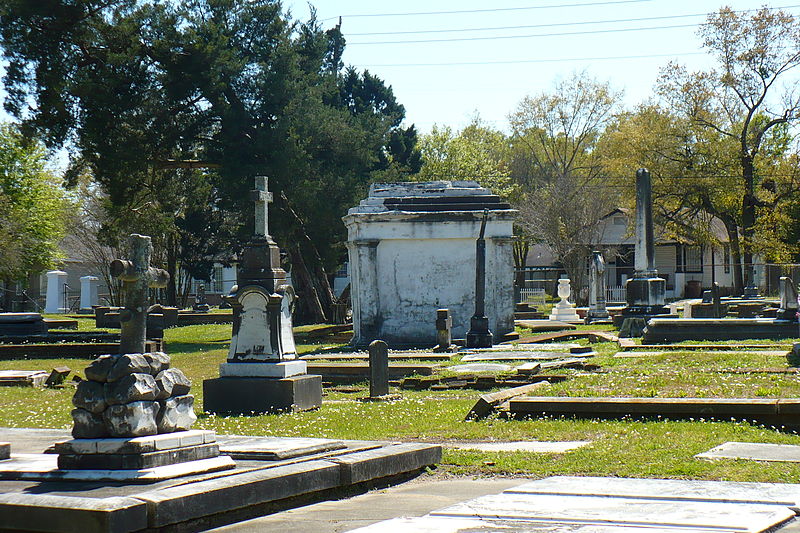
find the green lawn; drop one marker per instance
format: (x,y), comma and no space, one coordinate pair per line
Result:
(657,448)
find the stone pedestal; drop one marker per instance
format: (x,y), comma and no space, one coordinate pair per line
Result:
(88,293)
(646,297)
(238,395)
(56,298)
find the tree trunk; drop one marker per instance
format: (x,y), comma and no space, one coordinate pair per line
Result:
(310,310)
(748,220)
(736,258)
(172,268)
(8,294)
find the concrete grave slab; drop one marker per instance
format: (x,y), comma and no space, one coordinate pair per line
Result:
(520,356)
(480,367)
(535,347)
(522,446)
(637,354)
(275,448)
(755,451)
(601,511)
(780,494)
(23,378)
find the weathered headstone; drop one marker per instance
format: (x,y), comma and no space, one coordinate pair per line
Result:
(564,310)
(789,303)
(444,325)
(479,335)
(56,296)
(597,289)
(378,369)
(88,293)
(262,373)
(645,291)
(137,276)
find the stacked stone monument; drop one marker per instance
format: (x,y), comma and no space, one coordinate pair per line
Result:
(262,373)
(597,289)
(645,291)
(133,411)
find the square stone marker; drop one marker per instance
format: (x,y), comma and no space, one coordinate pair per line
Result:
(599,510)
(665,489)
(274,448)
(756,451)
(522,446)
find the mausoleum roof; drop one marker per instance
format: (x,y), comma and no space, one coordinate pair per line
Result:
(429,196)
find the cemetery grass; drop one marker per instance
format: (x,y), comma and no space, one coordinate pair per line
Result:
(652,448)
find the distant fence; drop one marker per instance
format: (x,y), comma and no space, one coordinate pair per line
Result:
(615,294)
(532,295)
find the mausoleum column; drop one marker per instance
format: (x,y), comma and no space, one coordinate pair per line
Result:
(364,290)
(56,299)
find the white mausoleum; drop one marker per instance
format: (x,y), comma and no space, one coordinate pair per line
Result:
(412,251)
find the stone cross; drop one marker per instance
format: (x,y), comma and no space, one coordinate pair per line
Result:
(262,198)
(644,253)
(137,276)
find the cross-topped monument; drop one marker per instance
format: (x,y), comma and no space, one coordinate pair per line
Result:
(262,373)
(262,198)
(137,276)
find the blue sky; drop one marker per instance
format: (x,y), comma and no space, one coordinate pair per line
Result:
(446,82)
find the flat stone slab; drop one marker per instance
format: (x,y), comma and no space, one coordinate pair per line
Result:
(277,369)
(544,325)
(755,451)
(275,448)
(521,356)
(706,347)
(521,446)
(536,347)
(772,411)
(44,467)
(23,378)
(364,356)
(359,370)
(636,354)
(111,504)
(605,505)
(150,443)
(480,367)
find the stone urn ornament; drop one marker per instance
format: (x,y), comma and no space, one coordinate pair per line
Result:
(564,311)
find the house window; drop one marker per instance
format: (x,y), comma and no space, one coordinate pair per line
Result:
(217,279)
(726,258)
(689,259)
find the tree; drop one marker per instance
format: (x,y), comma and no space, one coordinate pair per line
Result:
(554,160)
(477,152)
(174,107)
(737,110)
(33,209)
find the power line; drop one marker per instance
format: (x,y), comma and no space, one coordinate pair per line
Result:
(556,24)
(520,61)
(504,37)
(494,10)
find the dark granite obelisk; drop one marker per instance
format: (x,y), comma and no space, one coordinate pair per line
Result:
(645,292)
(479,335)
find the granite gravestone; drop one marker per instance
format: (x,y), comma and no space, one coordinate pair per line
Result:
(378,369)
(645,291)
(597,289)
(133,395)
(262,373)
(444,325)
(200,304)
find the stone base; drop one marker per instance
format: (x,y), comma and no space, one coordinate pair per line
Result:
(564,313)
(663,330)
(283,369)
(137,461)
(240,395)
(645,292)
